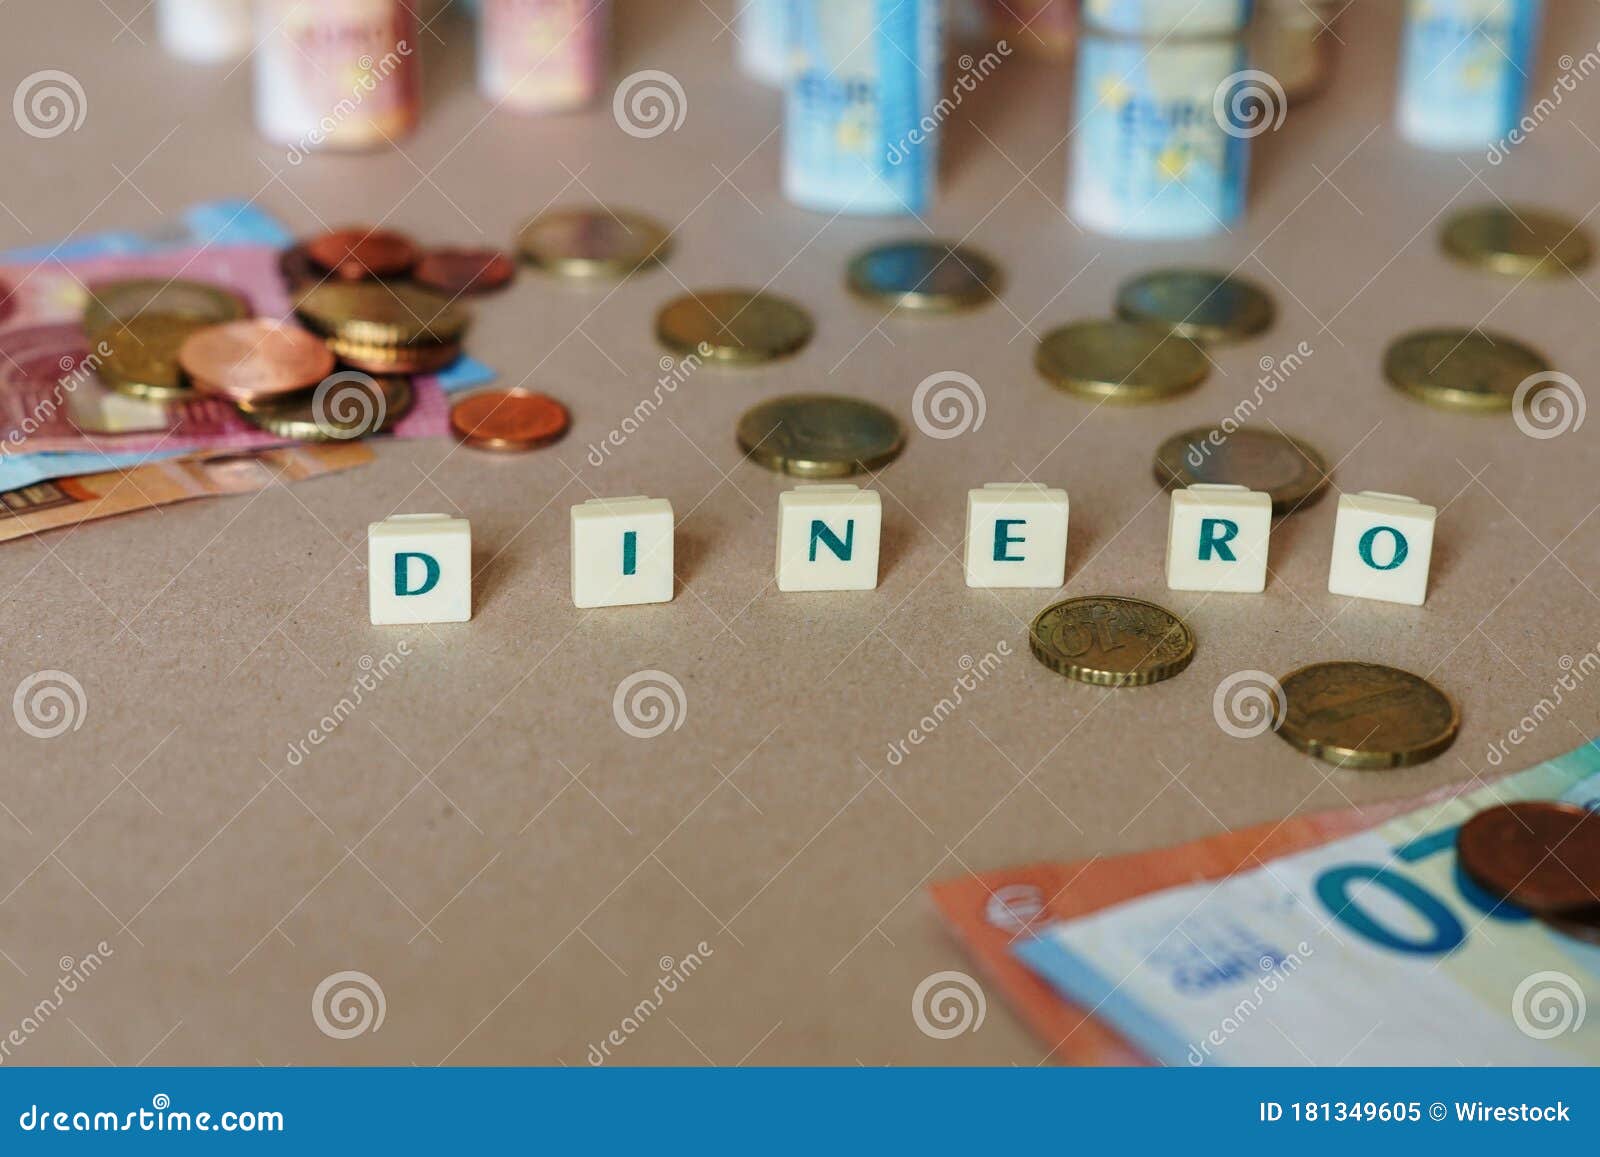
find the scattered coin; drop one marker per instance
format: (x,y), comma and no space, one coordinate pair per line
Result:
(820,435)
(1111,641)
(593,242)
(359,253)
(114,301)
(253,360)
(924,276)
(141,355)
(1517,240)
(1120,361)
(1290,470)
(1367,716)
(344,407)
(464,271)
(1199,304)
(1461,369)
(734,325)
(1542,855)
(382,314)
(508,419)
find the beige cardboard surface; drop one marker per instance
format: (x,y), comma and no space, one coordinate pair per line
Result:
(479,836)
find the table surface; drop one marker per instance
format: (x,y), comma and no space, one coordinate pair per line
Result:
(480,837)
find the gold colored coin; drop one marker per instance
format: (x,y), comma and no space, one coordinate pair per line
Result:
(733,325)
(1198,304)
(924,276)
(1111,641)
(115,301)
(593,242)
(1366,716)
(1517,241)
(344,407)
(370,313)
(1461,369)
(1120,361)
(141,355)
(1290,470)
(420,358)
(820,435)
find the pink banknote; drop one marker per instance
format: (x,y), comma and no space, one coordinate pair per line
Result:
(47,368)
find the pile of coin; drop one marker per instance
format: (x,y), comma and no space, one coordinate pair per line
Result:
(142,323)
(370,254)
(1542,856)
(384,328)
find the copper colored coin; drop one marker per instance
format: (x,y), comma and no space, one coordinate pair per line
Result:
(508,419)
(1539,854)
(357,254)
(249,361)
(458,271)
(298,269)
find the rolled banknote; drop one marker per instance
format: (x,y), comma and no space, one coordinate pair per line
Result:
(861,105)
(539,56)
(1372,949)
(1464,67)
(1166,108)
(763,31)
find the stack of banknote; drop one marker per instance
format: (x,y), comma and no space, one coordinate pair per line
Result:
(1346,938)
(58,420)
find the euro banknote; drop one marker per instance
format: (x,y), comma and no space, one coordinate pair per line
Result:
(990,913)
(1372,948)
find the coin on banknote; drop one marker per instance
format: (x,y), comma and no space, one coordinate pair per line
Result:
(415,358)
(1517,240)
(254,360)
(593,242)
(382,314)
(820,435)
(507,419)
(1200,304)
(1292,471)
(1584,926)
(343,407)
(362,252)
(454,272)
(140,355)
(1111,641)
(1120,361)
(733,325)
(122,300)
(1366,716)
(1542,855)
(924,276)
(1461,369)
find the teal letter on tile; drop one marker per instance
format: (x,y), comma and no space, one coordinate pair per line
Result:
(630,552)
(821,533)
(1401,548)
(430,571)
(1215,535)
(1003,538)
